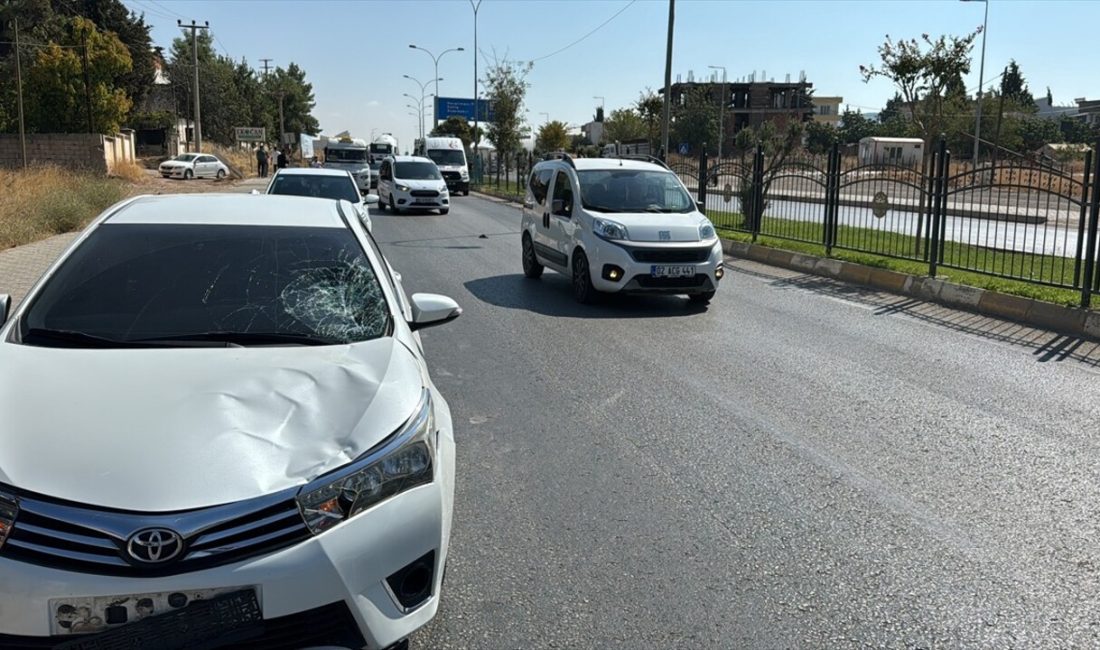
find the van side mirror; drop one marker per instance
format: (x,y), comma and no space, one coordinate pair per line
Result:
(701,206)
(430,309)
(5,307)
(370,199)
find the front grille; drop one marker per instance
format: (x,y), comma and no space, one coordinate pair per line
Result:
(425,193)
(74,537)
(650,282)
(670,255)
(331,625)
(452,176)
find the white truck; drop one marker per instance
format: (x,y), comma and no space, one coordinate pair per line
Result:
(450,156)
(350,154)
(381,148)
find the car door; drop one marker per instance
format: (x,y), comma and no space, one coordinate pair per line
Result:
(209,165)
(557,220)
(384,174)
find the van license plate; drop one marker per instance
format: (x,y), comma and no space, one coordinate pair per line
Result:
(672,271)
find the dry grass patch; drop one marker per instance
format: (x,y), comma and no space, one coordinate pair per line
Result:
(45,201)
(130,171)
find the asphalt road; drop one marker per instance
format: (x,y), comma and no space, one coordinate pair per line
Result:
(802,465)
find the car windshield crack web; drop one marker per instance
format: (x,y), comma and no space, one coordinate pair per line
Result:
(337,299)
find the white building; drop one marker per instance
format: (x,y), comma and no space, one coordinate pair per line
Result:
(895,151)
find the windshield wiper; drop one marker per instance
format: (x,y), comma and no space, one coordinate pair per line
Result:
(70,339)
(246,338)
(600,208)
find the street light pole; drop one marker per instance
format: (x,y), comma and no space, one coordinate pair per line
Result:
(981,83)
(547,117)
(477,136)
(721,108)
(423,88)
(435,59)
(668,80)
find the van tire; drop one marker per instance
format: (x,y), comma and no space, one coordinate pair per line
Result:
(583,291)
(701,298)
(531,267)
(444,211)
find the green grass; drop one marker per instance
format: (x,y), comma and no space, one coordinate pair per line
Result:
(506,189)
(1040,268)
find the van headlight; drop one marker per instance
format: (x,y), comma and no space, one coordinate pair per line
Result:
(402,188)
(401,462)
(609,229)
(706,230)
(465,175)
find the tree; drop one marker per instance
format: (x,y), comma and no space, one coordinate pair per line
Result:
(599,114)
(820,137)
(298,100)
(854,126)
(695,120)
(1036,131)
(552,136)
(895,107)
(578,143)
(1014,88)
(132,30)
(650,107)
(506,87)
(778,143)
(928,76)
(624,125)
(55,95)
(455,126)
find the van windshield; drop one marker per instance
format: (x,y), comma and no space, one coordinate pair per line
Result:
(345,155)
(447,156)
(416,171)
(633,190)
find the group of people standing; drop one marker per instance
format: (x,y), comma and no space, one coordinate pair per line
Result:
(262,159)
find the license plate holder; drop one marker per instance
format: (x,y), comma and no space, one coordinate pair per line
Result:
(232,614)
(672,271)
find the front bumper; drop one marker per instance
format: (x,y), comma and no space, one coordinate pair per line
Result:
(341,572)
(407,201)
(176,172)
(636,275)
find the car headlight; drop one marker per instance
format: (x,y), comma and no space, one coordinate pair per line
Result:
(706,230)
(609,229)
(403,461)
(9,508)
(402,188)
(465,175)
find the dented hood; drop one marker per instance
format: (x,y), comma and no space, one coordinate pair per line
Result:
(171,429)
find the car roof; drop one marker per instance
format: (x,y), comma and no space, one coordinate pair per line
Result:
(311,171)
(230,210)
(412,159)
(615,163)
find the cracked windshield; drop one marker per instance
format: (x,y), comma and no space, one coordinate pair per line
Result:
(508,324)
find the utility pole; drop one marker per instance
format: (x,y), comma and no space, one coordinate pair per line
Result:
(194,27)
(19,85)
(477,136)
(267,65)
(87,79)
(282,125)
(981,83)
(668,80)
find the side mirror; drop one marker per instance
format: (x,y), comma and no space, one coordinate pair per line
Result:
(430,309)
(701,206)
(370,199)
(529,204)
(255,192)
(5,307)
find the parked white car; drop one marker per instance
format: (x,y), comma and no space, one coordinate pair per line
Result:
(618,225)
(322,183)
(193,165)
(412,182)
(250,441)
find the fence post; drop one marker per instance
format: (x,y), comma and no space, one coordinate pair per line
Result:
(1091,277)
(1082,219)
(757,190)
(939,165)
(832,197)
(703,175)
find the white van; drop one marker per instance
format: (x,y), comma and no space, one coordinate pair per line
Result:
(450,156)
(350,155)
(412,182)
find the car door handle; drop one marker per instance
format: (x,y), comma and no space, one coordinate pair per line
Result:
(545,219)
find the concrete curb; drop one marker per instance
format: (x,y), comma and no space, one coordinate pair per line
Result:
(1064,320)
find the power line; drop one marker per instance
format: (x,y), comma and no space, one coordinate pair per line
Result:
(165,7)
(598,27)
(152,11)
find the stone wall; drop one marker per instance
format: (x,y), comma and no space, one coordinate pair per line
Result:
(84,151)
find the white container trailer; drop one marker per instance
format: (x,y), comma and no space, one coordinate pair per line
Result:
(892,151)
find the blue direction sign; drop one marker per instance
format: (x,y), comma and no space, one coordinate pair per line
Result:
(684,149)
(463,107)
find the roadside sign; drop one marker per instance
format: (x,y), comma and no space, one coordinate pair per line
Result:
(251,133)
(880,204)
(289,138)
(464,107)
(305,143)
(684,149)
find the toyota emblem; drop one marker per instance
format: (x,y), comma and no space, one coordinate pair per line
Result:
(154,545)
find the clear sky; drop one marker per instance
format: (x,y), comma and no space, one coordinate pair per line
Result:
(355,52)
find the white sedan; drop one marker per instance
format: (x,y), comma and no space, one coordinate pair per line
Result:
(251,447)
(193,165)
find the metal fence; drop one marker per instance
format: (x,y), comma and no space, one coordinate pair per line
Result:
(1013,218)
(503,173)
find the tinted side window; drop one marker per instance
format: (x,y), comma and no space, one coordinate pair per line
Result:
(563,192)
(538,185)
